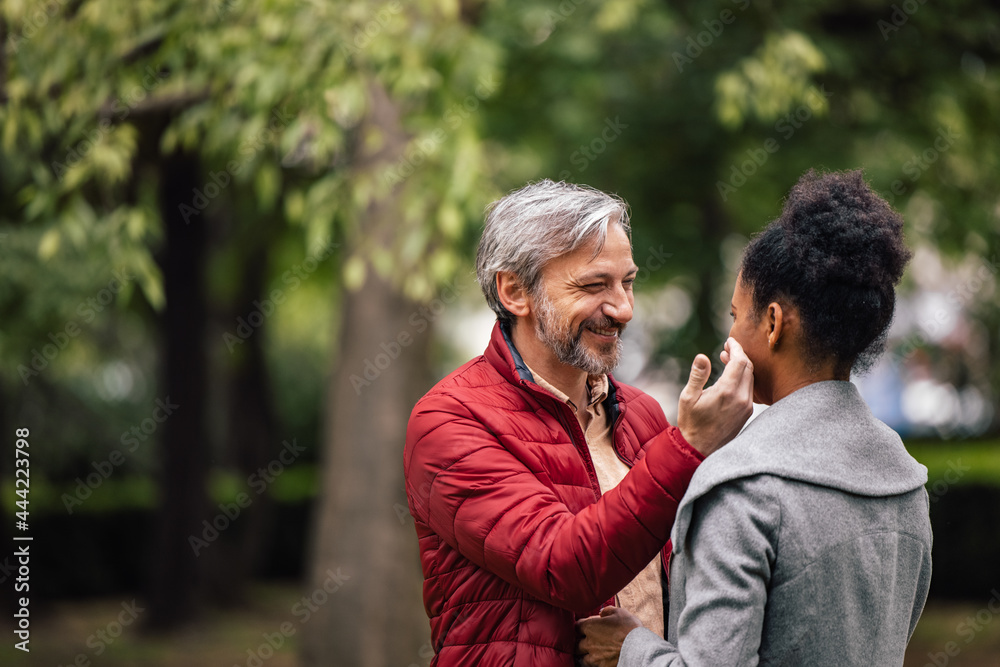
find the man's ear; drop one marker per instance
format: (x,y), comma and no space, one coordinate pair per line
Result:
(513,296)
(776,324)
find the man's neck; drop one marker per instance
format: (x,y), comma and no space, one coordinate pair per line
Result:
(569,380)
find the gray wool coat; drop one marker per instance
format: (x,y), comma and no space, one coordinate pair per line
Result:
(804,541)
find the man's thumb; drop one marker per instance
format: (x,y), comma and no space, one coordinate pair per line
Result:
(701,369)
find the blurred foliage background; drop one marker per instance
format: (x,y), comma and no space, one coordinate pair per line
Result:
(236,243)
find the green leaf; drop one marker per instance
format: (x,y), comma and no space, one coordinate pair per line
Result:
(48,246)
(354,273)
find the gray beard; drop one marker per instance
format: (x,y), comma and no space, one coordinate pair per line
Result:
(569,349)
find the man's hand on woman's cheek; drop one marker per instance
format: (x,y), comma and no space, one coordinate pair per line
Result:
(709,418)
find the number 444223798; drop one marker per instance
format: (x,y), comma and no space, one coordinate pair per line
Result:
(21,461)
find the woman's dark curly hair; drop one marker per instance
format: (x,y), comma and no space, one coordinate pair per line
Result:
(836,254)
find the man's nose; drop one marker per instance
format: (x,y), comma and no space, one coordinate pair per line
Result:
(619,305)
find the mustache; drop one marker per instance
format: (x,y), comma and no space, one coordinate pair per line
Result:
(601,323)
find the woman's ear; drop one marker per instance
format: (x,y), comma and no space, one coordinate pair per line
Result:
(775,324)
(513,296)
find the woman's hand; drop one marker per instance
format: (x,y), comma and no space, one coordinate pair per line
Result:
(603,636)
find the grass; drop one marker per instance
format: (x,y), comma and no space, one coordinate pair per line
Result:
(945,626)
(982,457)
(217,639)
(223,638)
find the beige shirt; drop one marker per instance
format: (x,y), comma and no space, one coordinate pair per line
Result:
(643,596)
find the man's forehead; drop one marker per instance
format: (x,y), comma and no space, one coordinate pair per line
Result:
(602,273)
(601,267)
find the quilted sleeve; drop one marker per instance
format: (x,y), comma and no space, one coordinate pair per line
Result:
(484,502)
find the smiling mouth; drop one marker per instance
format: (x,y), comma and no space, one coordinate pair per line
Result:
(603,332)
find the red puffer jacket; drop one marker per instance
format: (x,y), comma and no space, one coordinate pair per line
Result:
(516,541)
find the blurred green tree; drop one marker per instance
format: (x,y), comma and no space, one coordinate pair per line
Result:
(129,133)
(375,133)
(703,114)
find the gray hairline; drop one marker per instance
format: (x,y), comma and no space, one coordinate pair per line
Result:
(582,215)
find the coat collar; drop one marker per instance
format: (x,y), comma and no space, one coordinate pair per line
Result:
(504,357)
(822,434)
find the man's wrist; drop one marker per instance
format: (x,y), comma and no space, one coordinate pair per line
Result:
(697,440)
(671,461)
(685,442)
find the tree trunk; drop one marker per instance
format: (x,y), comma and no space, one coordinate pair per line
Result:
(366,551)
(251,440)
(177,573)
(365,581)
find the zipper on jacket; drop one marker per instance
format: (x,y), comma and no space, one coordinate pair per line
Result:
(587,460)
(584,449)
(664,560)
(560,414)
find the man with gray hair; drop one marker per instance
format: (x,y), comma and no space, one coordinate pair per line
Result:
(542,489)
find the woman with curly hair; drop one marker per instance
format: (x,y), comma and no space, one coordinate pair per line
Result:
(807,539)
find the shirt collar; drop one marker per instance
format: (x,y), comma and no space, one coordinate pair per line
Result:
(597,385)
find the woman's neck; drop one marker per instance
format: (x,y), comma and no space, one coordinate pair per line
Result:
(795,376)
